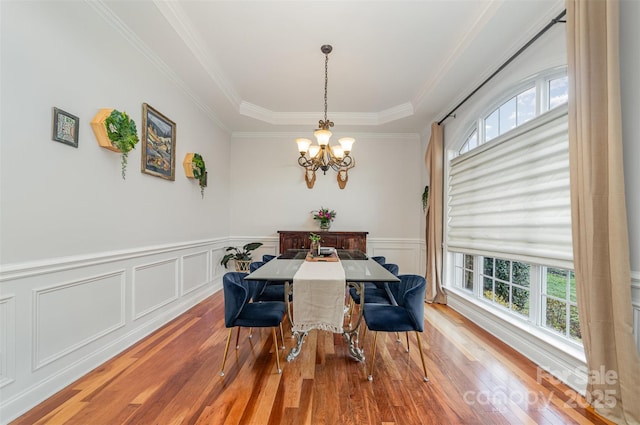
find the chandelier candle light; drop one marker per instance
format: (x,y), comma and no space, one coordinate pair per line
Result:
(323,155)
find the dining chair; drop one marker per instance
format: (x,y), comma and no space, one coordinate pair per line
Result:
(407,315)
(379,259)
(268,257)
(264,290)
(374,292)
(239,312)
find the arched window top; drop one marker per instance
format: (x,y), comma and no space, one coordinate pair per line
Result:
(542,93)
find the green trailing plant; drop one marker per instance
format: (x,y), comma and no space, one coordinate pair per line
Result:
(241,254)
(425,198)
(199,171)
(122,133)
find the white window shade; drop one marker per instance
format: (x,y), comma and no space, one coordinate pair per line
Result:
(510,197)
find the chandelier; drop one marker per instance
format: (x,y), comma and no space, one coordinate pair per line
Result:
(324,156)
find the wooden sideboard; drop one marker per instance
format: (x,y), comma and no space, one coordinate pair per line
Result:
(299,239)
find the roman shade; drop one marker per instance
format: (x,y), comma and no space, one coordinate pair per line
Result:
(509,198)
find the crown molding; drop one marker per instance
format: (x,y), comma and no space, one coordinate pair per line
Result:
(114,21)
(396,137)
(344,118)
(183,26)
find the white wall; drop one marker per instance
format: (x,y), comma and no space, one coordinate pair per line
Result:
(91,263)
(382,196)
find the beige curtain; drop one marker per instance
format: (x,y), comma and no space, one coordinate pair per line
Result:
(434,163)
(599,222)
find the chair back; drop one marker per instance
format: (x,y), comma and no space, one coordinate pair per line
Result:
(409,293)
(267,257)
(393,268)
(379,259)
(256,286)
(236,295)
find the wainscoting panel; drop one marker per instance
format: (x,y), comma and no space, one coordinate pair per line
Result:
(405,253)
(7,340)
(154,286)
(195,271)
(70,315)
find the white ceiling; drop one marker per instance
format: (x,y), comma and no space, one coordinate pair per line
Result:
(256,66)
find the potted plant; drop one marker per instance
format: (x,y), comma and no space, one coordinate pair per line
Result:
(241,256)
(195,168)
(115,131)
(315,244)
(425,198)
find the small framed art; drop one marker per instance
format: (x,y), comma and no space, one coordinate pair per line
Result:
(65,127)
(158,144)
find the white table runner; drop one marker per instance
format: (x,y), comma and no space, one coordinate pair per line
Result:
(318,297)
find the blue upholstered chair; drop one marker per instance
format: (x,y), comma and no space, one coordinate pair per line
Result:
(264,290)
(268,257)
(376,292)
(379,259)
(239,312)
(407,315)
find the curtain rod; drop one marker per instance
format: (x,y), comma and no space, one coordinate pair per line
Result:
(554,21)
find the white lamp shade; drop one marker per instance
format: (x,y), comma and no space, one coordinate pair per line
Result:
(337,152)
(303,145)
(313,150)
(347,143)
(323,137)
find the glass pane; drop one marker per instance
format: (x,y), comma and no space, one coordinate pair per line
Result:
(492,126)
(526,106)
(556,315)
(572,288)
(502,293)
(574,324)
(502,270)
(468,262)
(473,141)
(487,288)
(557,283)
(508,115)
(521,273)
(520,301)
(558,92)
(468,280)
(488,266)
(464,148)
(458,277)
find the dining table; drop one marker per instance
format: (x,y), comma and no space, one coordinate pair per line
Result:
(357,268)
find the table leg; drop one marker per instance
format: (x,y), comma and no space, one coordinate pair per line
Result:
(351,332)
(296,350)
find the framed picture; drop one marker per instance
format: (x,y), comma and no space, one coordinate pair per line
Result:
(158,144)
(65,127)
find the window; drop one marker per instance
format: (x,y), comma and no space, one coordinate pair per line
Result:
(559,303)
(506,283)
(508,216)
(519,109)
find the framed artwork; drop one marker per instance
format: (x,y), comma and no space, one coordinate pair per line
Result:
(158,144)
(65,127)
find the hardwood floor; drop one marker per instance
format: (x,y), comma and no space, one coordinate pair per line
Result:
(172,377)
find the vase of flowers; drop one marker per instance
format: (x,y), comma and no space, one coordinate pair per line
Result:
(325,217)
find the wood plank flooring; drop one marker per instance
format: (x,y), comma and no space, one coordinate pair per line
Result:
(172,377)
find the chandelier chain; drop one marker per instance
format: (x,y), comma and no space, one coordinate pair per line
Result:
(326,82)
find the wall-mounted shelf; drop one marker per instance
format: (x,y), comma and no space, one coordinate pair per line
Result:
(100,130)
